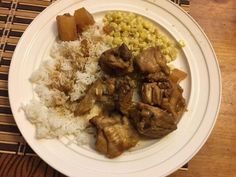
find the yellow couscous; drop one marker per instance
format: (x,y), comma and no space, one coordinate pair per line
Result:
(137,33)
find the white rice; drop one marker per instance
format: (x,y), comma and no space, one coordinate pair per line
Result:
(52,110)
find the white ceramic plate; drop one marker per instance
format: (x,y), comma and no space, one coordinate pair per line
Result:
(202,90)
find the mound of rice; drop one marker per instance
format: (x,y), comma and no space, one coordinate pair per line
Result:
(60,81)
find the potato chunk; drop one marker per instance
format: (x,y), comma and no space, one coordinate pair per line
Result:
(83,18)
(66,27)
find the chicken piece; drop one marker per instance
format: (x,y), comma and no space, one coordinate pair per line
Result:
(160,87)
(85,105)
(114,135)
(111,93)
(106,103)
(151,60)
(175,103)
(117,61)
(124,52)
(168,93)
(125,89)
(87,102)
(105,95)
(117,94)
(155,77)
(151,121)
(152,94)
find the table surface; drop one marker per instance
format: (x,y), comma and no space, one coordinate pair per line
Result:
(217,158)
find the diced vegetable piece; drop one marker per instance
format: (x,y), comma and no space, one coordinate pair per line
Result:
(66,27)
(177,75)
(107,29)
(83,18)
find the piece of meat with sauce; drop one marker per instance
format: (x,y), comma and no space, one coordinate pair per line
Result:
(152,94)
(161,91)
(114,135)
(117,61)
(87,102)
(117,94)
(155,91)
(105,96)
(175,103)
(151,60)
(152,122)
(124,94)
(110,93)
(155,77)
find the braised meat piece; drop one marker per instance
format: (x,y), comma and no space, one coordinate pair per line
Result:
(124,94)
(112,94)
(124,52)
(160,87)
(85,105)
(117,94)
(114,135)
(152,121)
(163,92)
(105,96)
(117,61)
(151,60)
(175,103)
(152,94)
(87,102)
(155,77)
